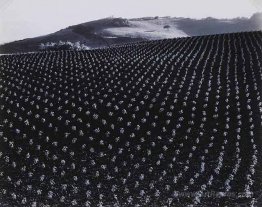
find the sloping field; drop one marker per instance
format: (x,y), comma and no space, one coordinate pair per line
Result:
(160,123)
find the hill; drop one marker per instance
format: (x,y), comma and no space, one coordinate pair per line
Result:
(111,31)
(173,122)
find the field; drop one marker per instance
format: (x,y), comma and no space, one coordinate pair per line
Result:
(171,122)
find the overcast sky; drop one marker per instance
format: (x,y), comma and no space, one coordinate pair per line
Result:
(21,19)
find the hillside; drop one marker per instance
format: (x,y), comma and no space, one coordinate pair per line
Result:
(173,122)
(111,31)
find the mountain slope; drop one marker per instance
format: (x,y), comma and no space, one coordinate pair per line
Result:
(110,31)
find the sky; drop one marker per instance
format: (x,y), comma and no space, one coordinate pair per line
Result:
(21,19)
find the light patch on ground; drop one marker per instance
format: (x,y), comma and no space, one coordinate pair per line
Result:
(152,29)
(109,37)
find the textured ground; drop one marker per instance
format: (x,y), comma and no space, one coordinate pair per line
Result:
(159,123)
